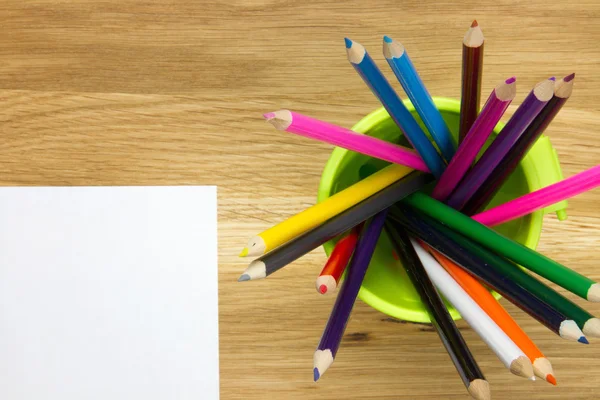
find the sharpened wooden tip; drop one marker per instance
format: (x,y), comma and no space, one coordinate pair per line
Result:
(569,330)
(479,389)
(281,119)
(391,48)
(543,369)
(322,360)
(356,52)
(593,293)
(592,327)
(474,36)
(544,90)
(507,90)
(563,87)
(325,284)
(256,270)
(521,366)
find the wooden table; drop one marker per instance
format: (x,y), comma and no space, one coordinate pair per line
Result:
(171,93)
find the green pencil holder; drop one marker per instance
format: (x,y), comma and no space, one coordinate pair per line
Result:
(386,287)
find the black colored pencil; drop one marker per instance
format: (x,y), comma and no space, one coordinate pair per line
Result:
(480,262)
(292,250)
(455,345)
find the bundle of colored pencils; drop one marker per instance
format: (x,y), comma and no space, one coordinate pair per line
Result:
(444,240)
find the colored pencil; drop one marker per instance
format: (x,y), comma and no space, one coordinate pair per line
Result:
(523,116)
(336,325)
(476,259)
(516,252)
(552,194)
(328,279)
(472,67)
(323,211)
(492,111)
(381,88)
(411,82)
(292,122)
(541,366)
(455,345)
(292,250)
(562,92)
(584,320)
(505,349)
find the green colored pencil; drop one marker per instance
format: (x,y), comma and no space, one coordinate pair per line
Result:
(530,259)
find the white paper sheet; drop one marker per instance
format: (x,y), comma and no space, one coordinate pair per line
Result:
(108,293)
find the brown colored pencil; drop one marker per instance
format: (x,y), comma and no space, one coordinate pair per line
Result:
(472,66)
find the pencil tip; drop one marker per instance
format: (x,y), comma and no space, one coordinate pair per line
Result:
(511,80)
(348,43)
(316,374)
(551,379)
(244,252)
(552,78)
(583,340)
(569,78)
(269,115)
(474,24)
(244,278)
(387,39)
(323,289)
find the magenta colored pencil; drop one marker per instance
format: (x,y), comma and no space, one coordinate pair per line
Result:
(302,125)
(579,183)
(494,108)
(527,111)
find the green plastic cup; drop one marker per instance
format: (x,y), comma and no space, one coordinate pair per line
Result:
(386,287)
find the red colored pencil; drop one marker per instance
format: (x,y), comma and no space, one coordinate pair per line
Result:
(472,67)
(328,279)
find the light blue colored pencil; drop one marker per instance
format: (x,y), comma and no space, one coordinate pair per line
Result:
(381,88)
(405,71)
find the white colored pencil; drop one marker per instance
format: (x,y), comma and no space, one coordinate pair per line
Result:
(506,350)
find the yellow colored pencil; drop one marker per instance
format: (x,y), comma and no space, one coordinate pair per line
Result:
(321,212)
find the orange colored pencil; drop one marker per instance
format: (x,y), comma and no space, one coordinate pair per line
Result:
(541,366)
(328,279)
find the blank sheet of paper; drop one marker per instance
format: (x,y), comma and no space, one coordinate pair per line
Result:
(108,293)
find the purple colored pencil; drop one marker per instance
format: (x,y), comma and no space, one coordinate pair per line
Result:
(336,325)
(492,111)
(527,111)
(481,198)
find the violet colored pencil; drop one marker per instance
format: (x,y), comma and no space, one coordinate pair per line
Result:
(481,198)
(494,108)
(302,125)
(472,66)
(527,111)
(336,325)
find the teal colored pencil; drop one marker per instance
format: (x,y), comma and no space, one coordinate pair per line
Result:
(405,71)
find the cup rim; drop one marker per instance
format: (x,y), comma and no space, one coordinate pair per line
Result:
(333,164)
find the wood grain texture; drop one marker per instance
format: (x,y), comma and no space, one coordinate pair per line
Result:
(169,92)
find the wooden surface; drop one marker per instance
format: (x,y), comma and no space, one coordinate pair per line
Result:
(171,92)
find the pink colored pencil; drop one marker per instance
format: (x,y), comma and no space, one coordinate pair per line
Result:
(579,183)
(494,108)
(302,125)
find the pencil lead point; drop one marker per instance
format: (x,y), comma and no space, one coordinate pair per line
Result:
(510,80)
(552,78)
(532,378)
(269,115)
(569,78)
(244,278)
(244,252)
(551,379)
(387,39)
(323,289)
(316,374)
(583,340)
(474,24)
(348,43)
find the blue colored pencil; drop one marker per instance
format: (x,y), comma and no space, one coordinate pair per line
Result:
(381,88)
(405,71)
(336,325)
